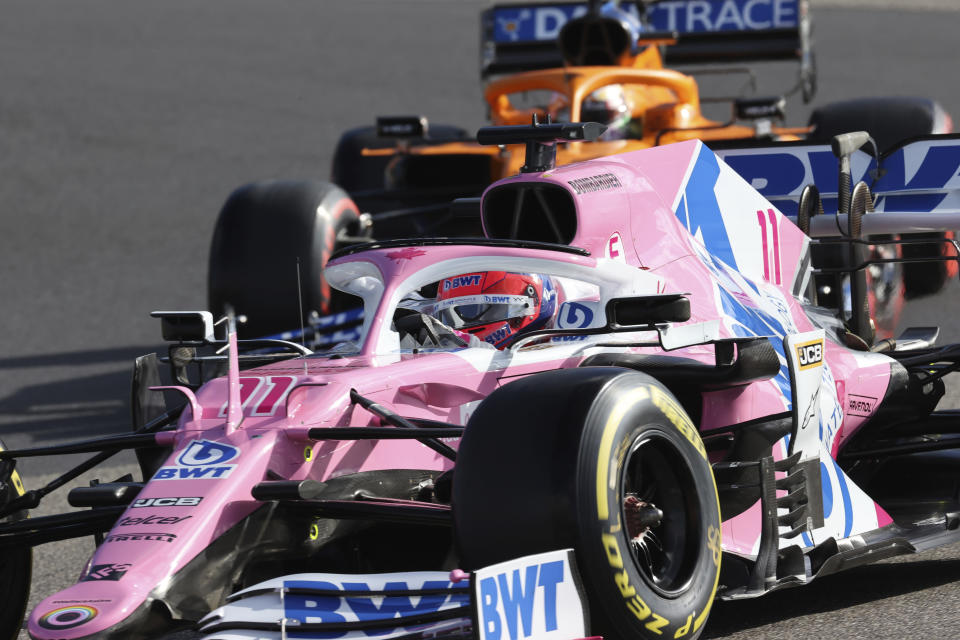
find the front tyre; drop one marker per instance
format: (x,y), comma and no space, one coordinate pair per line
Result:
(16,563)
(606,461)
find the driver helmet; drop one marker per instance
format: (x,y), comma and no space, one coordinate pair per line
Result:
(496,306)
(608,105)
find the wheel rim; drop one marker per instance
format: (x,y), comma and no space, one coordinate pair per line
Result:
(665,548)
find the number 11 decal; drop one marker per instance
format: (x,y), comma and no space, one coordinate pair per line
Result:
(263,396)
(771,246)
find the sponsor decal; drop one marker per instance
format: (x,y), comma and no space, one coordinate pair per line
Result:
(498,335)
(537,23)
(916,177)
(101,572)
(204,452)
(201,460)
(562,339)
(599,182)
(725,15)
(151,519)
(67,617)
(575,315)
(141,537)
(461,281)
(166,502)
(810,354)
(191,473)
(524,24)
(509,27)
(862,406)
(303,607)
(535,596)
(100,600)
(678,417)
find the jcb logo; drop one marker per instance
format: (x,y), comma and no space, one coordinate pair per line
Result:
(810,354)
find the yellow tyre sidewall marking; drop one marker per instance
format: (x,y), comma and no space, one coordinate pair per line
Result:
(606,445)
(678,417)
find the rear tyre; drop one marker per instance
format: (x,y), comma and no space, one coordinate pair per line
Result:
(886,287)
(262,230)
(889,120)
(16,563)
(356,172)
(611,466)
(927,278)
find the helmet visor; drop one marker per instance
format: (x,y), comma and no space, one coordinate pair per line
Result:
(469,311)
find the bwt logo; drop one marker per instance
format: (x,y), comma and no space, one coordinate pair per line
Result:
(498,335)
(309,609)
(201,460)
(810,354)
(461,281)
(205,452)
(506,606)
(193,473)
(574,315)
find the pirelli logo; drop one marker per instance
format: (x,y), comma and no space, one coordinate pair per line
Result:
(599,182)
(810,354)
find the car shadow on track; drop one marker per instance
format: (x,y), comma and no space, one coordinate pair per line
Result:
(67,396)
(858,586)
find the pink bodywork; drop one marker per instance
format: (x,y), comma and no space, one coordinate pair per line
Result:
(283,400)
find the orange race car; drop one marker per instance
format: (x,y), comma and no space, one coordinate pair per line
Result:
(561,62)
(598,64)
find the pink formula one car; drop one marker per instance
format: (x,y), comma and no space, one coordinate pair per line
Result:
(619,405)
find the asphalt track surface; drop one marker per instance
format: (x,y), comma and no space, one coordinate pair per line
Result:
(124,125)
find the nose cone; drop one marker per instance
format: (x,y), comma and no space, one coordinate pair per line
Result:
(84,609)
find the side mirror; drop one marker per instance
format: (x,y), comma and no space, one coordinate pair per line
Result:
(646,311)
(770,107)
(186,326)
(402,127)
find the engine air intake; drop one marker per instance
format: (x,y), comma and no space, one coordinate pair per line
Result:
(530,211)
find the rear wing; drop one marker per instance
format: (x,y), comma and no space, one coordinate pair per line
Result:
(522,37)
(921,175)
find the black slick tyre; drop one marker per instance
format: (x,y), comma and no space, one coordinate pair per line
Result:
(889,120)
(16,563)
(606,461)
(356,172)
(261,232)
